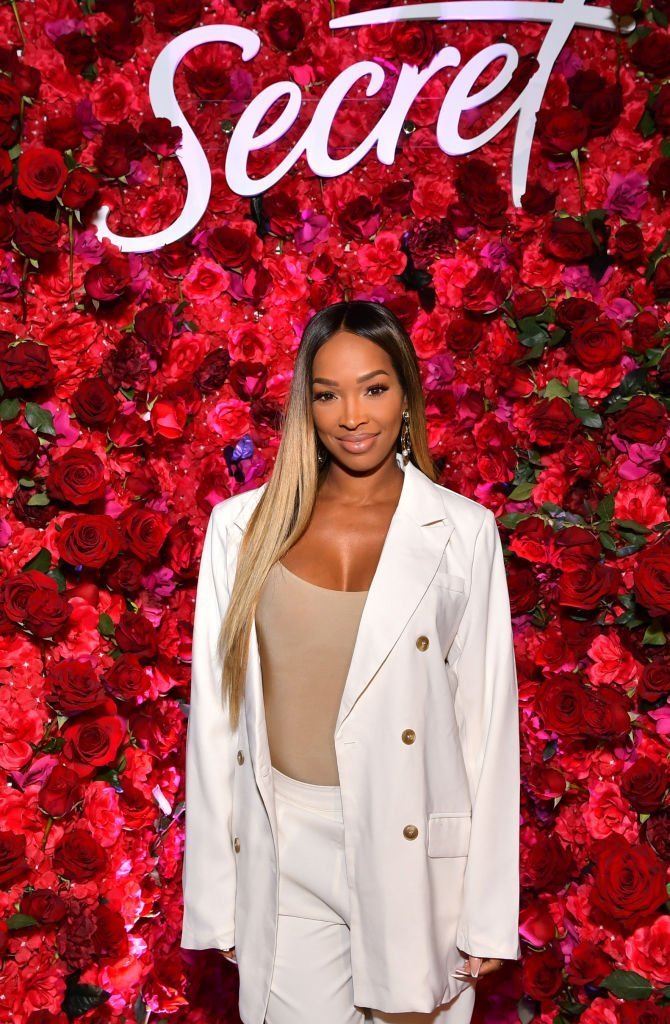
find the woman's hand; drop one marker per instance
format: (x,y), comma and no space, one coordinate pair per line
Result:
(229,954)
(476,966)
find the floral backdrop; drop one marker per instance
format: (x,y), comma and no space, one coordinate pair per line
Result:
(139,390)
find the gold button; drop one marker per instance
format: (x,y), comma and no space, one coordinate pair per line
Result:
(410,831)
(422,643)
(408,736)
(240,757)
(236,844)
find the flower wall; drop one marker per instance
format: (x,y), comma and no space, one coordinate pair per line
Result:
(139,390)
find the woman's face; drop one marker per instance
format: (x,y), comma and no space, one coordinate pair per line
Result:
(357,400)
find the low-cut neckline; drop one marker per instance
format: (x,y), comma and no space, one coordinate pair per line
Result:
(329,590)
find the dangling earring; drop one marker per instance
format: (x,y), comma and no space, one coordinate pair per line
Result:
(405,440)
(322,454)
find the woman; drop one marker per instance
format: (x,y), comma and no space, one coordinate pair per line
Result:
(352,762)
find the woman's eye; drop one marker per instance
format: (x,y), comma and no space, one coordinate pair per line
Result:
(379,387)
(328,394)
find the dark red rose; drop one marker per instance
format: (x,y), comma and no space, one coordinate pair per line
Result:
(662,109)
(108,280)
(26,366)
(643,419)
(623,8)
(552,421)
(145,531)
(644,785)
(561,702)
(485,293)
(80,188)
(212,372)
(136,635)
(6,170)
(478,186)
(547,864)
(63,131)
(588,964)
(13,864)
(128,365)
(604,110)
(575,548)
(32,599)
(651,578)
(463,335)
(78,477)
(20,447)
(42,173)
(10,100)
(657,834)
(35,235)
(659,176)
(79,857)
(397,196)
(654,682)
(629,883)
(155,325)
(110,937)
(44,905)
(73,686)
(598,343)
(284,27)
(175,259)
(359,218)
(413,42)
(528,303)
(89,540)
(207,72)
(126,679)
(94,403)
(607,714)
(119,145)
(428,240)
(60,792)
(230,247)
(118,39)
(543,973)
(248,379)
(661,279)
(160,136)
(585,83)
(176,15)
(585,588)
(126,575)
(77,50)
(562,131)
(462,218)
(282,211)
(629,244)
(537,199)
(568,241)
(574,312)
(94,739)
(651,54)
(522,74)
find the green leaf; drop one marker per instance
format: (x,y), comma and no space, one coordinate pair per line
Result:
(646,126)
(106,625)
(654,635)
(42,498)
(549,750)
(522,491)
(9,408)
(582,409)
(555,388)
(39,419)
(632,526)
(605,507)
(21,921)
(627,985)
(79,999)
(40,563)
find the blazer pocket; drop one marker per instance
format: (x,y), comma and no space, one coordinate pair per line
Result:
(449,834)
(450,582)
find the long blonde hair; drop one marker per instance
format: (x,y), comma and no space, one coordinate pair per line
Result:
(285,508)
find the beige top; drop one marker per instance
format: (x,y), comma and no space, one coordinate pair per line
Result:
(306,636)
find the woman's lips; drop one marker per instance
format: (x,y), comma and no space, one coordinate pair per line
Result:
(362,444)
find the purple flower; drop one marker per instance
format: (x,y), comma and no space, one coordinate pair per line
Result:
(627,195)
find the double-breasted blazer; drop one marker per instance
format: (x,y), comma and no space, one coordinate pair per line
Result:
(427,736)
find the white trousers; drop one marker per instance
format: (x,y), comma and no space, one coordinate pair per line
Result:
(311,981)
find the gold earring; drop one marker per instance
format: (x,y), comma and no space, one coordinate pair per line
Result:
(405,440)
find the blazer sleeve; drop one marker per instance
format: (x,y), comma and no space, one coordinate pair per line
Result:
(488,924)
(209,866)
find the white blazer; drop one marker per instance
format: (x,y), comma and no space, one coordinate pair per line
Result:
(434,654)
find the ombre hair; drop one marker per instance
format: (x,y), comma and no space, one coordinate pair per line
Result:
(284,509)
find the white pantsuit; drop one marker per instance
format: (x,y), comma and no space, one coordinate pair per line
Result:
(427,746)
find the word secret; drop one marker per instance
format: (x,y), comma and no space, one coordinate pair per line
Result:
(461,96)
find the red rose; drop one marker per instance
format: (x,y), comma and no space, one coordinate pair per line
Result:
(13,864)
(552,421)
(79,857)
(629,244)
(629,883)
(652,54)
(26,366)
(588,964)
(485,293)
(573,312)
(659,176)
(568,241)
(94,739)
(661,279)
(108,280)
(606,715)
(478,186)
(397,196)
(45,905)
(94,403)
(145,531)
(230,247)
(176,15)
(32,600)
(63,131)
(127,679)
(654,683)
(284,27)
(119,145)
(543,973)
(154,324)
(77,477)
(562,131)
(20,447)
(643,419)
(644,785)
(657,834)
(585,83)
(80,188)
(662,109)
(6,170)
(160,136)
(623,8)
(428,240)
(547,864)
(537,199)
(61,791)
(359,218)
(651,578)
(585,588)
(73,686)
(528,303)
(118,40)
(135,634)
(207,73)
(561,702)
(78,51)
(42,173)
(604,110)
(110,937)
(35,235)
(212,372)
(89,540)
(598,343)
(413,42)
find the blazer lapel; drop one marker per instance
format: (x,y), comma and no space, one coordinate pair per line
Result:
(411,555)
